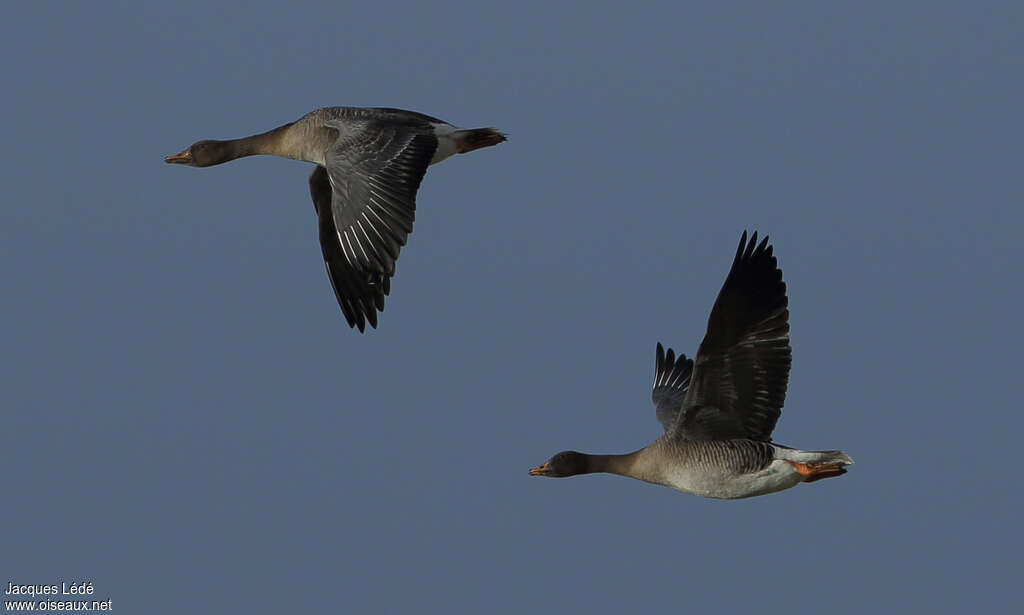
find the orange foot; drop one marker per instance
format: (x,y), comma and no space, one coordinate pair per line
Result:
(817,471)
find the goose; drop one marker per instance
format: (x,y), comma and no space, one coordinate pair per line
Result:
(718,410)
(369,165)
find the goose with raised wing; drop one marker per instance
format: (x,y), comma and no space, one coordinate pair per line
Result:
(718,410)
(369,164)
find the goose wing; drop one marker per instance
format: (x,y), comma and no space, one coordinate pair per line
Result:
(741,371)
(366,203)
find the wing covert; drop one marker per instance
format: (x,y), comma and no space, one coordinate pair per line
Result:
(375,171)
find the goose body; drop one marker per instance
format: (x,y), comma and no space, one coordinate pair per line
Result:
(369,165)
(719,410)
(732,469)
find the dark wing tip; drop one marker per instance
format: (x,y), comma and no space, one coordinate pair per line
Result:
(360,296)
(751,246)
(667,367)
(664,364)
(740,249)
(748,250)
(355,315)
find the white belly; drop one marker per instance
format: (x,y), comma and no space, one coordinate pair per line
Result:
(445,142)
(777,476)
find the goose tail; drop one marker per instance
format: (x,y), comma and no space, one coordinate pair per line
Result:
(477,138)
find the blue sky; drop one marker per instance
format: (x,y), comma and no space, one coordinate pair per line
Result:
(189,424)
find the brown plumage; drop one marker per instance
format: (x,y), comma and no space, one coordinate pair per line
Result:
(370,163)
(718,412)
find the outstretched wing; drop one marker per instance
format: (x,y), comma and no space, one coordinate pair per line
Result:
(671,379)
(360,293)
(741,370)
(372,173)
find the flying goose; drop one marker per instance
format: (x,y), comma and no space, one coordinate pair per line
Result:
(719,410)
(369,164)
